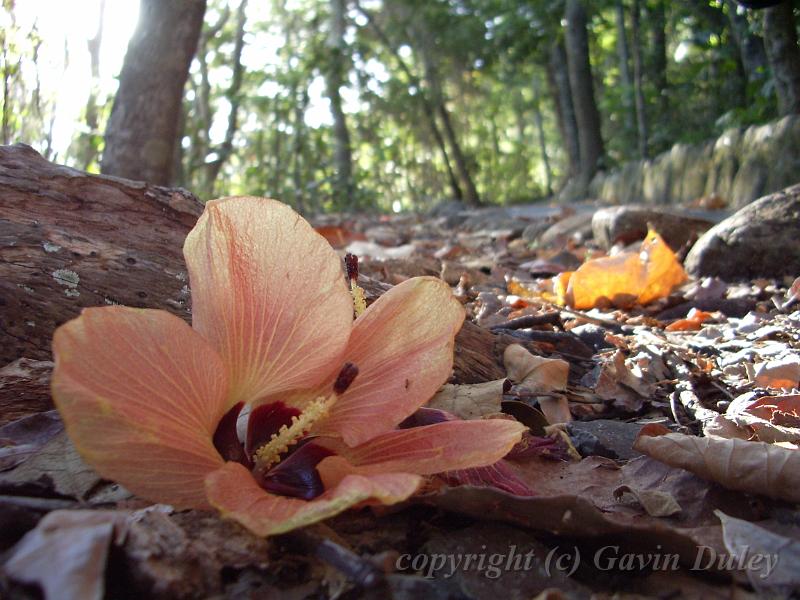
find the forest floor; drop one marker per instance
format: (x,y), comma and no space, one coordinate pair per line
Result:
(661,461)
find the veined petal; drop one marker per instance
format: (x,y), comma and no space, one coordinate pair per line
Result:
(403,348)
(500,475)
(268,293)
(447,446)
(141,395)
(234,492)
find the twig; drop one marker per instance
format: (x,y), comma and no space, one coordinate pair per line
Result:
(551,318)
(358,570)
(608,323)
(43,504)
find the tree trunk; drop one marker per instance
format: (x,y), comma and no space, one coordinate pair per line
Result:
(471,195)
(201,142)
(537,117)
(86,141)
(223,151)
(623,56)
(432,78)
(426,47)
(780,40)
(83,240)
(335,77)
(428,112)
(657,19)
(298,150)
(142,130)
(178,170)
(560,90)
(5,128)
(638,75)
(580,78)
(750,46)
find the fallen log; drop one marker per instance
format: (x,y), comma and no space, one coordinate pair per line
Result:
(69,240)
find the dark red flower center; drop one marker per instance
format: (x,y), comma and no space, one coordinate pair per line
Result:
(295,474)
(277,448)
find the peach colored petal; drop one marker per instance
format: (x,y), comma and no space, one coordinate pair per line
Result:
(234,492)
(446,446)
(141,395)
(403,347)
(268,293)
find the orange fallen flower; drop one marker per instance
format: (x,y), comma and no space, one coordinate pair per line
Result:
(153,403)
(624,279)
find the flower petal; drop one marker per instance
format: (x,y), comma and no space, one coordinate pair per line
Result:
(268,293)
(234,492)
(500,475)
(403,348)
(141,395)
(447,446)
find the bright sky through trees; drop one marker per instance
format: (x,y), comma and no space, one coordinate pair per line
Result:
(65,74)
(63,61)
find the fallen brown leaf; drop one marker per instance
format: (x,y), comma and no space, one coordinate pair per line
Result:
(55,468)
(771,561)
(753,467)
(536,374)
(469,401)
(66,553)
(656,503)
(20,439)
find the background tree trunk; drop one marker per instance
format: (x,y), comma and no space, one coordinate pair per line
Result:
(142,130)
(623,55)
(426,45)
(580,78)
(638,75)
(87,147)
(750,45)
(537,118)
(780,41)
(335,75)
(201,142)
(224,150)
(656,18)
(560,90)
(428,108)
(471,192)
(298,150)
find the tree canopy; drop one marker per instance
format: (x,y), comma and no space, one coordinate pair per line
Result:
(399,104)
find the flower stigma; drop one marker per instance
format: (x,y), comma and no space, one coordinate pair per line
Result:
(356,291)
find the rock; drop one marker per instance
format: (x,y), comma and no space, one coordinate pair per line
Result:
(592,335)
(493,219)
(69,240)
(740,165)
(604,437)
(760,240)
(532,232)
(386,236)
(449,208)
(577,227)
(628,224)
